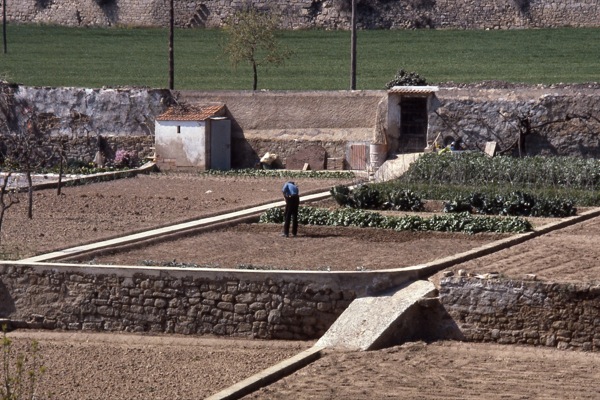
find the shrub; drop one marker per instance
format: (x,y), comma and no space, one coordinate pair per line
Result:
(376,198)
(402,200)
(341,195)
(404,78)
(366,197)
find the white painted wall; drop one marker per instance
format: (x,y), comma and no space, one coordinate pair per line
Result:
(183,149)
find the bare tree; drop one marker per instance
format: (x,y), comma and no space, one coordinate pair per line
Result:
(8,197)
(25,148)
(251,39)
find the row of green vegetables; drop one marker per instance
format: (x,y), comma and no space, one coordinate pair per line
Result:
(460,222)
(511,204)
(469,183)
(282,173)
(479,169)
(458,176)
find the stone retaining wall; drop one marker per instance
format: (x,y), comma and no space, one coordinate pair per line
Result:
(254,304)
(524,312)
(170,303)
(323,14)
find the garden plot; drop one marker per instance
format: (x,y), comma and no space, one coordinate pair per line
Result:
(129,366)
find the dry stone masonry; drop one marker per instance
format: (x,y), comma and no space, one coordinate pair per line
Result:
(561,315)
(169,302)
(323,14)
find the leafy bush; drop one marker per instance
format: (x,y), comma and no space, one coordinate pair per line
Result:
(402,200)
(366,197)
(376,198)
(553,208)
(463,222)
(514,204)
(403,78)
(342,195)
(457,205)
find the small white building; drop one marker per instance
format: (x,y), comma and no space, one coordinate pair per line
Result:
(408,117)
(196,137)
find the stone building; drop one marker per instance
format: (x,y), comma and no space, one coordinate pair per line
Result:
(193,138)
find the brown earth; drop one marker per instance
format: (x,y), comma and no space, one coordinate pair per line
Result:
(315,248)
(92,212)
(115,366)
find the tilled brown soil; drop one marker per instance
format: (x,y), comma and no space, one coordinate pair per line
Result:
(315,248)
(115,366)
(93,366)
(570,254)
(444,370)
(92,212)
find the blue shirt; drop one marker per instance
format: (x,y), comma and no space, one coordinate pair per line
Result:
(289,189)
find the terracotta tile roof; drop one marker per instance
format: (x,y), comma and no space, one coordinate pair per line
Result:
(191,113)
(413,89)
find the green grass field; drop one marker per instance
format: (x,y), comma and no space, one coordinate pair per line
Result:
(95,57)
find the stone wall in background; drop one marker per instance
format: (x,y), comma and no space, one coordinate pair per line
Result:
(324,14)
(524,312)
(78,116)
(562,121)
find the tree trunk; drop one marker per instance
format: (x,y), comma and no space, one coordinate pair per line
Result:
(255,71)
(353,48)
(29,196)
(60,173)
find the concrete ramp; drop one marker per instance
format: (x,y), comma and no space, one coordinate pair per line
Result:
(395,167)
(371,323)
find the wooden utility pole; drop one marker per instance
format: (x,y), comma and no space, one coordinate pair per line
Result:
(4,24)
(171,34)
(353,48)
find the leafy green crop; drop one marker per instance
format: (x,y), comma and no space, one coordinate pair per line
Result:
(373,197)
(478,169)
(462,222)
(281,173)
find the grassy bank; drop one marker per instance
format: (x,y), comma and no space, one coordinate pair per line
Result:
(95,57)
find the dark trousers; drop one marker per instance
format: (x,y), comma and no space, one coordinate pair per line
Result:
(291,214)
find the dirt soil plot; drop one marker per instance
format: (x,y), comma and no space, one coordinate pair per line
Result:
(315,248)
(84,214)
(93,366)
(117,366)
(444,370)
(571,254)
